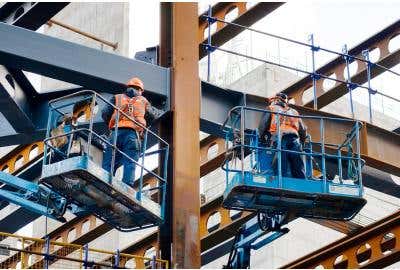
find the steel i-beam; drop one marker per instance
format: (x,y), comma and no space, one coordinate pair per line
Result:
(77,64)
(185,101)
(375,246)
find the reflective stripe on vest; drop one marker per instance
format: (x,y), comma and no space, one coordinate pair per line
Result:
(133,107)
(287,124)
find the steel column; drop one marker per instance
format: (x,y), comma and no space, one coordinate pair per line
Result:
(166,132)
(185,103)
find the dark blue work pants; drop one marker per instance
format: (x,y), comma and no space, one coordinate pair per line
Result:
(291,161)
(128,143)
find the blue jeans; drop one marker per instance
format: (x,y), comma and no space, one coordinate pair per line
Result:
(291,142)
(128,143)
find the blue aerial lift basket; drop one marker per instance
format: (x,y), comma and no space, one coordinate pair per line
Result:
(78,176)
(254,180)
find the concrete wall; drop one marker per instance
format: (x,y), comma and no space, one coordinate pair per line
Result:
(265,80)
(108,21)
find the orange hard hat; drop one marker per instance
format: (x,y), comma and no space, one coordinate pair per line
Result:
(136,82)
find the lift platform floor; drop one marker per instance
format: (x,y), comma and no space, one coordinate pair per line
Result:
(305,198)
(86,184)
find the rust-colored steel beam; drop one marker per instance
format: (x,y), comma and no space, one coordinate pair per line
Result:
(379,147)
(336,69)
(21,157)
(185,103)
(246,16)
(345,227)
(375,246)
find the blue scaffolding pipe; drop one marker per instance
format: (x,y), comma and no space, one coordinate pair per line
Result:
(314,78)
(366,56)
(209,43)
(302,43)
(349,84)
(355,85)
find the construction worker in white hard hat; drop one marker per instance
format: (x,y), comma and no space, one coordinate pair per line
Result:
(135,105)
(292,132)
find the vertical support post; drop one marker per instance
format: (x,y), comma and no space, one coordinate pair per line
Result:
(144,146)
(366,57)
(358,149)
(166,132)
(92,104)
(185,101)
(23,266)
(227,160)
(45,150)
(165,182)
(322,134)
(85,256)
(310,160)
(116,259)
(242,140)
(279,149)
(80,256)
(313,76)
(209,43)
(349,85)
(47,249)
(114,144)
(340,165)
(153,262)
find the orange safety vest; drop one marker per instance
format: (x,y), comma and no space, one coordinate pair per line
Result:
(134,107)
(287,124)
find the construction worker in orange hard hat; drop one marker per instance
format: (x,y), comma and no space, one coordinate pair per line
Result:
(292,132)
(136,106)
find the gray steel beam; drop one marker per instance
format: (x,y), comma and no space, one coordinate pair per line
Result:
(14,103)
(29,15)
(77,64)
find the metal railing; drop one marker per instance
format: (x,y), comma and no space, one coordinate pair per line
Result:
(314,74)
(40,253)
(63,106)
(245,142)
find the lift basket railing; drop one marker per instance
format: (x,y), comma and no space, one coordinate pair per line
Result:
(342,148)
(83,109)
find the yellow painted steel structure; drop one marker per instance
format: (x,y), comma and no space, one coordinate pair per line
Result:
(33,251)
